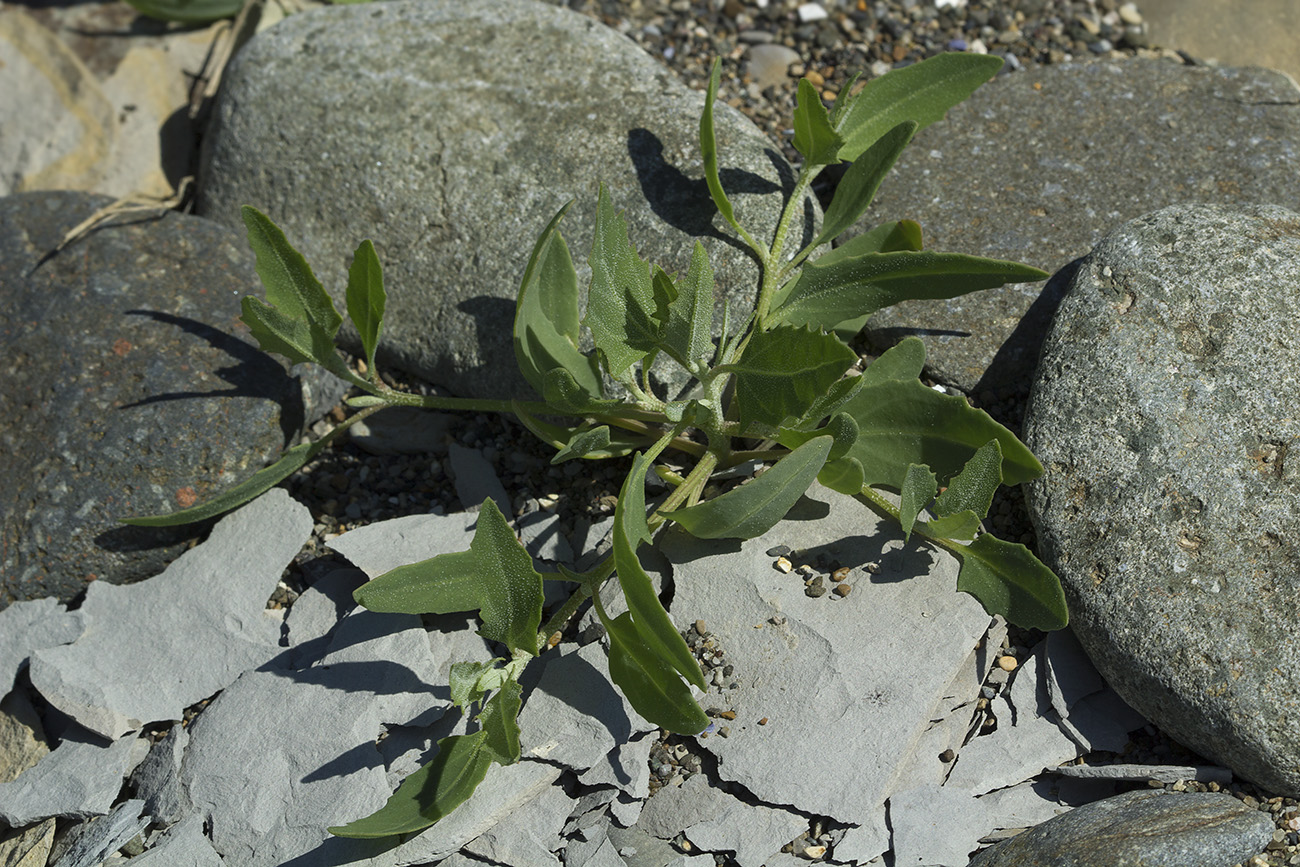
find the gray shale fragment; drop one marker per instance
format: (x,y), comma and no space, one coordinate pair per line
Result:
(575,715)
(1151,828)
(1141,773)
(378,548)
(79,779)
(476,480)
(182,845)
(145,657)
(528,839)
(804,664)
(157,782)
(29,626)
(99,838)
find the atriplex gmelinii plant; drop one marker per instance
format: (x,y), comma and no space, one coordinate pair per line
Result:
(774,390)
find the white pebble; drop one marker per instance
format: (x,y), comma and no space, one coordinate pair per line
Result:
(812,12)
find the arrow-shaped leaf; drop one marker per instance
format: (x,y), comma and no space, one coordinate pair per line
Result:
(919,485)
(814,137)
(757,506)
(972,489)
(499,720)
(621,304)
(495,576)
(688,335)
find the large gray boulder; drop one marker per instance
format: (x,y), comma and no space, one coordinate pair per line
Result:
(450,132)
(1039,165)
(133,389)
(1165,413)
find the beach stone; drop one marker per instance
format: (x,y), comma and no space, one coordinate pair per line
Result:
(450,132)
(1164,412)
(1036,167)
(1140,829)
(132,390)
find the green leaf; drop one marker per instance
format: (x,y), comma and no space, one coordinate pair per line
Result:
(499,720)
(430,793)
(187,11)
(495,576)
(292,338)
(366,298)
(565,395)
(651,684)
(783,371)
(959,525)
(858,187)
(293,289)
(843,475)
(972,489)
(1009,580)
(842,428)
(588,442)
(546,327)
(813,135)
(688,333)
(758,505)
(559,436)
(922,92)
(709,148)
(259,483)
(652,623)
(902,422)
(919,485)
(621,303)
(840,287)
(840,393)
(466,681)
(885,238)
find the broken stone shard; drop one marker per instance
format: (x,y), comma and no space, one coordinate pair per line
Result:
(29,626)
(79,779)
(144,657)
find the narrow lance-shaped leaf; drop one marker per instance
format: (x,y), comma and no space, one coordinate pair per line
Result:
(902,422)
(366,298)
(430,793)
(546,315)
(709,148)
(259,483)
(855,191)
(1009,580)
(652,622)
(885,238)
(495,576)
(621,303)
(814,137)
(559,436)
(922,92)
(187,11)
(919,485)
(651,685)
(842,428)
(757,506)
(783,371)
(841,287)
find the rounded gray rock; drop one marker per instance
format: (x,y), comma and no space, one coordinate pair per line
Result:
(1166,412)
(131,389)
(1140,829)
(450,132)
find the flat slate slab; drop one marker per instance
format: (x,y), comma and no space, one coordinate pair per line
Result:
(821,672)
(1165,414)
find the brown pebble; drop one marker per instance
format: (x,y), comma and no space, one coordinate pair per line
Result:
(1007,663)
(842,589)
(724,732)
(763,721)
(840,574)
(699,627)
(728,714)
(814,78)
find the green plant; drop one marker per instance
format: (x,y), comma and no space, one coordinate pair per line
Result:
(773,389)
